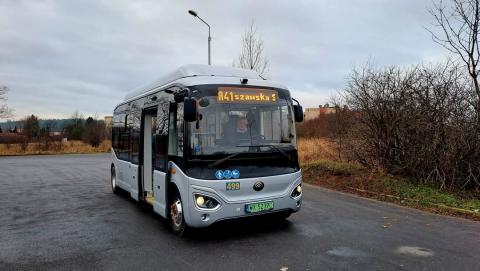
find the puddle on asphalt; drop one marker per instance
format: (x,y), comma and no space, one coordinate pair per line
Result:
(414,251)
(309,231)
(346,252)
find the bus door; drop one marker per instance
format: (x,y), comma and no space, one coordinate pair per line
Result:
(160,152)
(149,128)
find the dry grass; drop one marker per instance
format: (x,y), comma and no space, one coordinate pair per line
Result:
(353,178)
(309,149)
(321,166)
(54,148)
(314,149)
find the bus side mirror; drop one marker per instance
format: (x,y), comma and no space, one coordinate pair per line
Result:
(179,97)
(189,109)
(298,112)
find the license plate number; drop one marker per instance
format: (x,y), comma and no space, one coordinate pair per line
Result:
(258,207)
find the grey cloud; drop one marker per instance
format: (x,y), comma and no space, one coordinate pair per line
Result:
(59,56)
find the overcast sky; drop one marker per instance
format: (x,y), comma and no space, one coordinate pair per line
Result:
(62,56)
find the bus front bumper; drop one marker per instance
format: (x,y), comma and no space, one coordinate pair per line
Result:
(197,217)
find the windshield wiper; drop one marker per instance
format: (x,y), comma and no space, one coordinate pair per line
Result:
(220,161)
(272,147)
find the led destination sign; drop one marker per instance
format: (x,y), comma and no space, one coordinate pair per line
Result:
(246,95)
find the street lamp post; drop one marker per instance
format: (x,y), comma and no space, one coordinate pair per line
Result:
(194,14)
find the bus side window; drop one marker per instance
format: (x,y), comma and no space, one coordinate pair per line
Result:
(115,133)
(175,141)
(161,137)
(123,139)
(180,130)
(133,123)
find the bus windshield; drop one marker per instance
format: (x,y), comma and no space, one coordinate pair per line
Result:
(236,125)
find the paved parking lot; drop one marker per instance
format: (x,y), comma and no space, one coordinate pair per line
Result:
(58,213)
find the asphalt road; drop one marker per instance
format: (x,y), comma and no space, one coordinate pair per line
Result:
(58,213)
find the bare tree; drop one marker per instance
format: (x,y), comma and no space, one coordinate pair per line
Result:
(340,125)
(46,141)
(74,130)
(31,127)
(94,131)
(416,122)
(252,56)
(5,111)
(459,21)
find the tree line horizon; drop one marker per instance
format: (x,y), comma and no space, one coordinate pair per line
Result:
(31,129)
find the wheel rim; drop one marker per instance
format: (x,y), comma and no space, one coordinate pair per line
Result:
(114,179)
(176,213)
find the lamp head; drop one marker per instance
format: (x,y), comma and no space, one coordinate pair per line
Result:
(193,13)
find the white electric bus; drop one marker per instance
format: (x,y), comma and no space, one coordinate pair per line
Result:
(208,143)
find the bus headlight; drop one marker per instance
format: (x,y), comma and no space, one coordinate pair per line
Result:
(206,202)
(297,191)
(200,200)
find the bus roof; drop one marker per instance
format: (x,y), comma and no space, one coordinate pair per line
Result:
(194,70)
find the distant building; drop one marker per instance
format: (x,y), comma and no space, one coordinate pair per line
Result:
(314,112)
(54,133)
(108,121)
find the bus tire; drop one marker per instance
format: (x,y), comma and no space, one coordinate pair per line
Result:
(113,180)
(176,218)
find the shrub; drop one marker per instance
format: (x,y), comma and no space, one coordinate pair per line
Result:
(420,122)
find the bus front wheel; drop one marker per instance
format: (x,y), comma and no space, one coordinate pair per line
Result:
(176,217)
